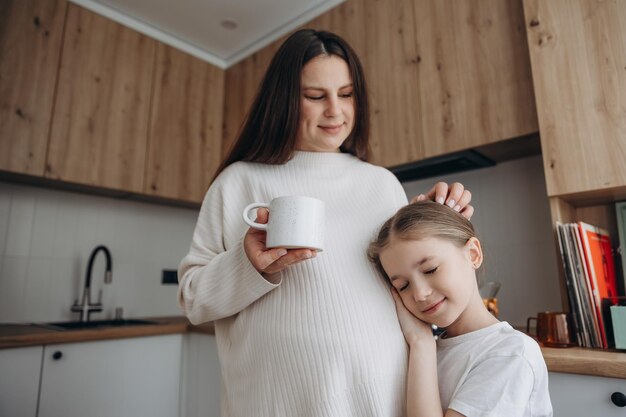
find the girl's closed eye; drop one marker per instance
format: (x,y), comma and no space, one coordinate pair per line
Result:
(431,271)
(403,286)
(314,97)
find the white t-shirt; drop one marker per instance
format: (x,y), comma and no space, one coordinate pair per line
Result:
(495,371)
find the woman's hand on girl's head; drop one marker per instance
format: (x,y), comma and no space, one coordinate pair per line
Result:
(415,330)
(270,261)
(454,196)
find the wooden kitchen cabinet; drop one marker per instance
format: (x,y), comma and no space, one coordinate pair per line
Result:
(443,75)
(100,120)
(122,378)
(184,147)
(578,57)
(31,32)
(19,381)
(583,396)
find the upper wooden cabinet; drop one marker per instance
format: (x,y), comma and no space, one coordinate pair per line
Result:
(578,56)
(443,75)
(30,47)
(100,119)
(185,126)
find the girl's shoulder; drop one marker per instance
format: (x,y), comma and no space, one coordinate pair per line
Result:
(512,342)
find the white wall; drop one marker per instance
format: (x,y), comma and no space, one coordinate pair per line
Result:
(46,237)
(513,223)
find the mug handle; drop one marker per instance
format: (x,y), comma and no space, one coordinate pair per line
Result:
(528,324)
(246,216)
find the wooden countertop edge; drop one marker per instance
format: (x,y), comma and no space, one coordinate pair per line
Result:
(582,361)
(47,336)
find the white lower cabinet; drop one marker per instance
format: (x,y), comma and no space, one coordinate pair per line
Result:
(19,381)
(122,378)
(585,396)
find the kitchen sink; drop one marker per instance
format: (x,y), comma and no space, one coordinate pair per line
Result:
(96,324)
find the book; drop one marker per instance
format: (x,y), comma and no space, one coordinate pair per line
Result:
(620,209)
(591,309)
(571,286)
(598,257)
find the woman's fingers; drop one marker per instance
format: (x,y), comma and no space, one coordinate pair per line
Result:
(468,212)
(292,257)
(438,193)
(267,258)
(454,196)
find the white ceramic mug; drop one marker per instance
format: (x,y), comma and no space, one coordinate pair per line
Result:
(294,222)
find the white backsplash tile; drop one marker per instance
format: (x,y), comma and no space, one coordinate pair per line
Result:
(12,287)
(5,211)
(20,224)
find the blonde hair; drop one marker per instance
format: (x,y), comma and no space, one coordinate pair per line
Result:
(424,219)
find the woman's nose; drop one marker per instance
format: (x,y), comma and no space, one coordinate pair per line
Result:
(332,108)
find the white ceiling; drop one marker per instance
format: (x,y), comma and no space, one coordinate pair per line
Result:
(195,26)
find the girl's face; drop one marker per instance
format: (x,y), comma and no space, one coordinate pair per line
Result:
(436,280)
(326,105)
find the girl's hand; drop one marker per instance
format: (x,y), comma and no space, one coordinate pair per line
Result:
(270,261)
(454,196)
(414,330)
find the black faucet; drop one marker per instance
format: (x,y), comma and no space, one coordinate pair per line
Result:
(85,308)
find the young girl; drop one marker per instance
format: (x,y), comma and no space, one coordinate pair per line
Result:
(479,366)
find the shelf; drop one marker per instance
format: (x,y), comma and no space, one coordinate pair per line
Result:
(594,197)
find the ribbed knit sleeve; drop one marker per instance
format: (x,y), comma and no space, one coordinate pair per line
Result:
(215,282)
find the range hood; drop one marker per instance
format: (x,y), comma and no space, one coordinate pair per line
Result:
(481,157)
(442,165)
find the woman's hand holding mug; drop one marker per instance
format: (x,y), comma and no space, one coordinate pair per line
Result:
(294,234)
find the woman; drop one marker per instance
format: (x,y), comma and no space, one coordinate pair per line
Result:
(301,333)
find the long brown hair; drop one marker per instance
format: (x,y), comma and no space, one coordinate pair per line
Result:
(418,221)
(269,132)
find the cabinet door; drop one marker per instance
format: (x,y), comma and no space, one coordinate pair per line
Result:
(584,396)
(185,126)
(30,49)
(475,82)
(19,381)
(578,57)
(100,119)
(122,378)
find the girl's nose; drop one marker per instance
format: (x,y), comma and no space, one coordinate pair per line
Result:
(421,291)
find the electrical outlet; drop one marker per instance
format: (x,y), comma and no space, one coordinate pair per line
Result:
(169,276)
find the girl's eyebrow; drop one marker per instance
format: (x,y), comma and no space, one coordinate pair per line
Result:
(418,263)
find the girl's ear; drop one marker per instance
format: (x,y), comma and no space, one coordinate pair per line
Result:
(475,252)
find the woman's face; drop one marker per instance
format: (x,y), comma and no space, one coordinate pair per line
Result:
(326,105)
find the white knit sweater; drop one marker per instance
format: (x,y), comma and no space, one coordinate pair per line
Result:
(325,341)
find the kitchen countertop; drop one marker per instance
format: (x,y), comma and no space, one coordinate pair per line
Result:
(29,334)
(572,360)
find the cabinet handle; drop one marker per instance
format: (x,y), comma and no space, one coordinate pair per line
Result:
(58,355)
(619,399)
